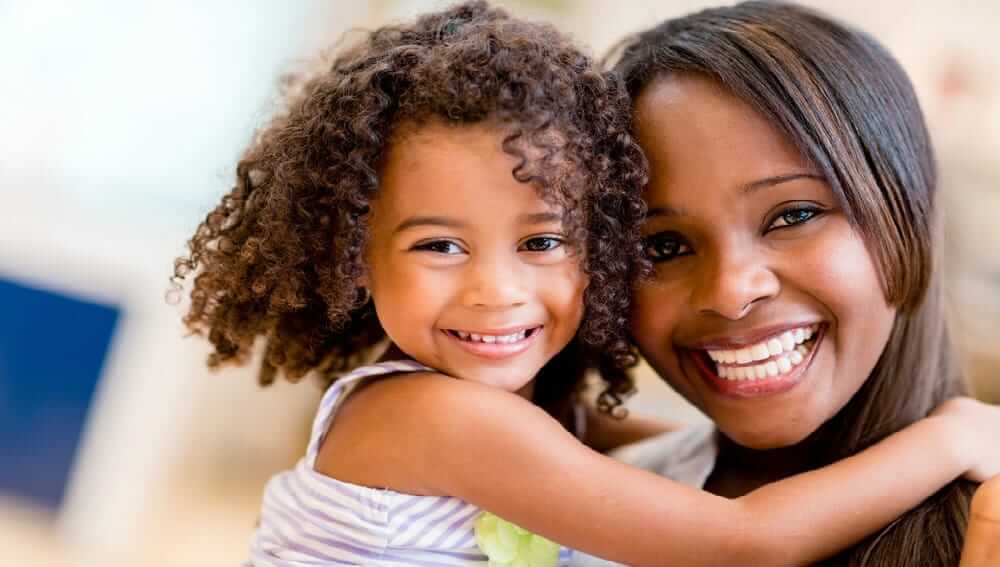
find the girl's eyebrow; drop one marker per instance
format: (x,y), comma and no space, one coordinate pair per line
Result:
(427,221)
(665,211)
(539,218)
(533,218)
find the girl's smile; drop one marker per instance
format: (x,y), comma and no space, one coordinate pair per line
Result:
(765,309)
(496,344)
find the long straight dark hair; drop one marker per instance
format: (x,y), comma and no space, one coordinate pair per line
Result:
(850,109)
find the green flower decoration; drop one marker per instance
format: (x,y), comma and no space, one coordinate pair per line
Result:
(509,545)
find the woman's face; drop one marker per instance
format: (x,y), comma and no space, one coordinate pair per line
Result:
(765,309)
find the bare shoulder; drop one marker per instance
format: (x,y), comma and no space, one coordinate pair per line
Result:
(392,432)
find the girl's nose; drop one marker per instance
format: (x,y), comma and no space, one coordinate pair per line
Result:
(732,282)
(494,283)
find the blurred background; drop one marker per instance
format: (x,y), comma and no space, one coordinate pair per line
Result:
(120,124)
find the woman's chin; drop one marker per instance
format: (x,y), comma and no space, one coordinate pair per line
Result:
(765,437)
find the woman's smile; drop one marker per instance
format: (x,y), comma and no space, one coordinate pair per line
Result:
(773,362)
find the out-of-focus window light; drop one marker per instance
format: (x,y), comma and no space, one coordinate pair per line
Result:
(137,111)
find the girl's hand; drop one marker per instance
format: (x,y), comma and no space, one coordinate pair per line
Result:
(976,436)
(982,539)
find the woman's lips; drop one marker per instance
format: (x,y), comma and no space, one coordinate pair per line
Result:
(743,379)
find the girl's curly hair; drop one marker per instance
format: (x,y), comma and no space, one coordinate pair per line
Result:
(280,256)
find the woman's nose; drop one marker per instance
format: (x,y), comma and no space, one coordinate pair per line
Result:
(732,282)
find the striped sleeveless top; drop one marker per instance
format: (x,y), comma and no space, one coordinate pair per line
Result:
(309,519)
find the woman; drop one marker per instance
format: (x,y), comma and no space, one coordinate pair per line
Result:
(794,297)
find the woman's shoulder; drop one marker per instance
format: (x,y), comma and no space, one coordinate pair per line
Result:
(686,455)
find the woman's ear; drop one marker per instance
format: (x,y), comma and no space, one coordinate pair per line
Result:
(982,538)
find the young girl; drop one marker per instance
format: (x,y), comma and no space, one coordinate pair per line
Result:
(464,189)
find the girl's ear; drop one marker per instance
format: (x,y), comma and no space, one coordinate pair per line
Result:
(364,294)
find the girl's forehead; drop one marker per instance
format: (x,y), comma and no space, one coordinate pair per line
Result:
(456,172)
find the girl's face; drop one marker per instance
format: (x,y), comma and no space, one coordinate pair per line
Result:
(469,269)
(765,309)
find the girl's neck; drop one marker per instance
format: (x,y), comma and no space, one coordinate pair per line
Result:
(739,470)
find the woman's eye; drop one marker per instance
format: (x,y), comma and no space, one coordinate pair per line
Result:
(439,247)
(664,246)
(791,217)
(542,244)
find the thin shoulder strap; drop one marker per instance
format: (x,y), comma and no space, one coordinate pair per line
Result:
(340,389)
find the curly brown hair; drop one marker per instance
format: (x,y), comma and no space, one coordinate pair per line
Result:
(280,256)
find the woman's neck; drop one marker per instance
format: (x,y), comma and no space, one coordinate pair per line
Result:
(739,470)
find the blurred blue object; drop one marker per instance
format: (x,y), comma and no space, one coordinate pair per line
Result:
(52,349)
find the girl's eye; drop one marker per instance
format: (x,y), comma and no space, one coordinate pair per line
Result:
(439,247)
(794,216)
(541,244)
(665,246)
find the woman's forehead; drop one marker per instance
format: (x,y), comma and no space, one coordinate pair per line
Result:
(697,133)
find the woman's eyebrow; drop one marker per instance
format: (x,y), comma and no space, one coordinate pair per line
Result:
(663,211)
(667,211)
(779,179)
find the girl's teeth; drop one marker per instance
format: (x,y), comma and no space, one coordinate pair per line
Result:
(492,339)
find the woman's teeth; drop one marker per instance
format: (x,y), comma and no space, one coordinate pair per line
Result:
(491,339)
(777,355)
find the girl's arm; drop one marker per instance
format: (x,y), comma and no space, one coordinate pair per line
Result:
(982,538)
(499,452)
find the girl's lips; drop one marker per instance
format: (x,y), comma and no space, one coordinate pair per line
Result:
(496,350)
(762,386)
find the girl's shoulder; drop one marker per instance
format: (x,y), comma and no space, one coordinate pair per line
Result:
(390,431)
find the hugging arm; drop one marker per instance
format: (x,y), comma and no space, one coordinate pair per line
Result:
(982,538)
(507,456)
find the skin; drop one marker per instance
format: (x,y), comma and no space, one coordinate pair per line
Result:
(747,238)
(982,538)
(482,252)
